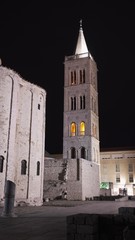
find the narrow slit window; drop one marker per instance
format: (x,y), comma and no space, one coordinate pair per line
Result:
(38,168)
(1,163)
(38,106)
(23,167)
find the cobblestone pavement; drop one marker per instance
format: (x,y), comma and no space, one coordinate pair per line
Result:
(48,222)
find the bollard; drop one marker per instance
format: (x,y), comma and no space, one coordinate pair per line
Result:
(9,199)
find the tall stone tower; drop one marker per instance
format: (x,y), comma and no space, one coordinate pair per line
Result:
(81,121)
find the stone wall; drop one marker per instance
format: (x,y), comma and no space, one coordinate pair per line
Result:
(90,179)
(79,177)
(101,226)
(55,178)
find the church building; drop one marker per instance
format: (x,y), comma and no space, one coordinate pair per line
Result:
(22,137)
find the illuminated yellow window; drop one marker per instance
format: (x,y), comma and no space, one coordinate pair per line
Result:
(73,129)
(82,128)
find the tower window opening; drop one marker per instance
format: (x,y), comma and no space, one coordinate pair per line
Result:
(73,152)
(82,102)
(83,105)
(73,129)
(73,77)
(82,76)
(73,103)
(82,128)
(83,153)
(38,106)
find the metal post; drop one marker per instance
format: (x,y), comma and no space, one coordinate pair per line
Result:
(9,199)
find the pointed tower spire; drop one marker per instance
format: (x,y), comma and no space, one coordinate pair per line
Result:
(81,47)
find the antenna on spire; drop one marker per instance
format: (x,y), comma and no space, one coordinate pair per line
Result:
(81,24)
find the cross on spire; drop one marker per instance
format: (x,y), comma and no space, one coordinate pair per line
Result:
(81,24)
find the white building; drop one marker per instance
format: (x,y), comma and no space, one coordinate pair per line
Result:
(118,168)
(22,137)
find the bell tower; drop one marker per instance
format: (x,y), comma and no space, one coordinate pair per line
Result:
(81,120)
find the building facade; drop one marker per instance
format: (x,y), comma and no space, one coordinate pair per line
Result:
(118,168)
(22,137)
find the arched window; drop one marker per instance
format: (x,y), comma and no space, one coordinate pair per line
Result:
(82,128)
(73,152)
(82,102)
(73,129)
(83,75)
(1,163)
(73,77)
(73,103)
(83,153)
(83,105)
(38,168)
(23,167)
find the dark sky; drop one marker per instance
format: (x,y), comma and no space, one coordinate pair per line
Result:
(34,41)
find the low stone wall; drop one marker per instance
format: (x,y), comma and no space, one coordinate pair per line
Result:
(102,226)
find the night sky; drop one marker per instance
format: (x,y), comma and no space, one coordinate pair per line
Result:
(34,41)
